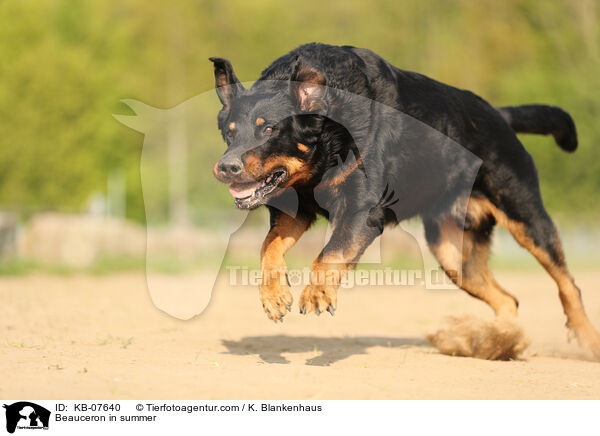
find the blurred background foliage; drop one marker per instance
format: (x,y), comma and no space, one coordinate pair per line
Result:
(66,65)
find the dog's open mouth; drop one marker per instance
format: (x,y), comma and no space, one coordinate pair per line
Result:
(252,194)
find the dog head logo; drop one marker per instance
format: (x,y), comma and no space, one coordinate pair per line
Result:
(26,415)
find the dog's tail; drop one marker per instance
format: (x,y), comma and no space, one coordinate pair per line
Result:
(542,119)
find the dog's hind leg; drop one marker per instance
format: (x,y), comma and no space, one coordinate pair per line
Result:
(463,254)
(534,230)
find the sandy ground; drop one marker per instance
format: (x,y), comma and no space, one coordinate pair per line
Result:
(101,338)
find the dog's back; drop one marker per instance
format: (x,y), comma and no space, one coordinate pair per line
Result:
(457,113)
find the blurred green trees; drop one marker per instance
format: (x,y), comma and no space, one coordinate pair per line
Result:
(65,65)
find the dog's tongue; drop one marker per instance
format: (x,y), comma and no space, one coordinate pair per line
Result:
(242,190)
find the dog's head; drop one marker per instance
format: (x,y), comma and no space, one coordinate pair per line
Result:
(272,132)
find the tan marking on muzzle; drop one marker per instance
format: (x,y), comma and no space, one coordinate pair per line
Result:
(296,168)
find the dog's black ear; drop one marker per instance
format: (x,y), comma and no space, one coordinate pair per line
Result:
(308,85)
(226,83)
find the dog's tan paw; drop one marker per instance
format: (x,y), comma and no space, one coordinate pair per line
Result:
(318,298)
(276,300)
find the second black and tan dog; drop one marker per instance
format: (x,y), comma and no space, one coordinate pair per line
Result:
(394,174)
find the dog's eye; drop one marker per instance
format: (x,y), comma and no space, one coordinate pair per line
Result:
(268,130)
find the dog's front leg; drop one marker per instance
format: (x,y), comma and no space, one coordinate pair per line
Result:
(351,236)
(283,234)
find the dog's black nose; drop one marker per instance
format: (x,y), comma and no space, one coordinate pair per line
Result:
(230,166)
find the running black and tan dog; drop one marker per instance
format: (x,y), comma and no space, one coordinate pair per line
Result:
(296,136)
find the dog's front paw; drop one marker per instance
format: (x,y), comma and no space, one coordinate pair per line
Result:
(318,298)
(276,300)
